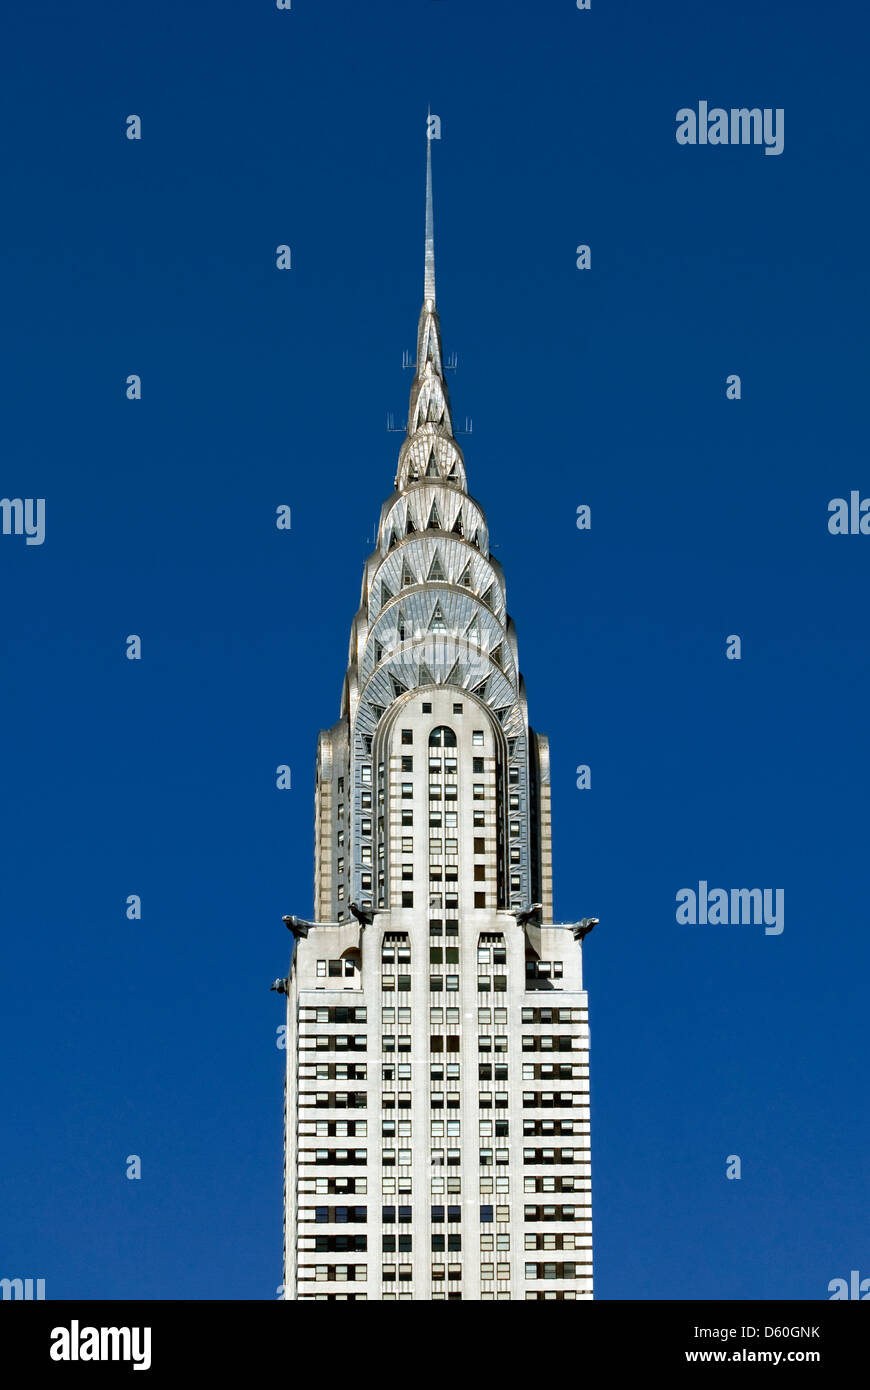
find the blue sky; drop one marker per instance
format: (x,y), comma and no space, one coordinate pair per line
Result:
(604,387)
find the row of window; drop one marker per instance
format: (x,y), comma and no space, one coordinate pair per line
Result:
(438,1158)
(403,1215)
(333,1100)
(334,1129)
(438,1183)
(357,1100)
(437,1128)
(390,1014)
(335,969)
(339,1014)
(447,900)
(486,1042)
(337,1071)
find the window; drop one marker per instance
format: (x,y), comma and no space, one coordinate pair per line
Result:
(457,709)
(427,708)
(477,738)
(321,968)
(442,737)
(479,900)
(407,844)
(408,735)
(408,901)
(407,790)
(407,763)
(485,1215)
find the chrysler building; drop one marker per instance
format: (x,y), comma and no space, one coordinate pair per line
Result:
(437,1081)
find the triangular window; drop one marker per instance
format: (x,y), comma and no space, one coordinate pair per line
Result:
(465,577)
(436,569)
(434,522)
(497,656)
(456,528)
(407,576)
(410,528)
(432,467)
(487,597)
(436,622)
(398,688)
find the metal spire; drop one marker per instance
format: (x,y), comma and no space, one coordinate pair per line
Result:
(429,276)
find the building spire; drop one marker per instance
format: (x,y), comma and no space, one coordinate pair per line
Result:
(429,274)
(429,405)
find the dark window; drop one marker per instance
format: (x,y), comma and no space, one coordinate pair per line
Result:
(454,1213)
(388,1214)
(479,844)
(407,736)
(407,763)
(427,708)
(457,709)
(437,1213)
(408,899)
(486,1214)
(405,1214)
(479,899)
(477,764)
(321,1213)
(442,737)
(438,1242)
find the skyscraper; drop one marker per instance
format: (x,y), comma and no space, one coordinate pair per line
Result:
(437,1086)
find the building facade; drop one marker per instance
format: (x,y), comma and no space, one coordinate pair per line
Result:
(437,1085)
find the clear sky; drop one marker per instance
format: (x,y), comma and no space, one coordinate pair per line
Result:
(260,388)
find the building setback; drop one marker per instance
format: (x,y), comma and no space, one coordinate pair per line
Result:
(437,1085)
